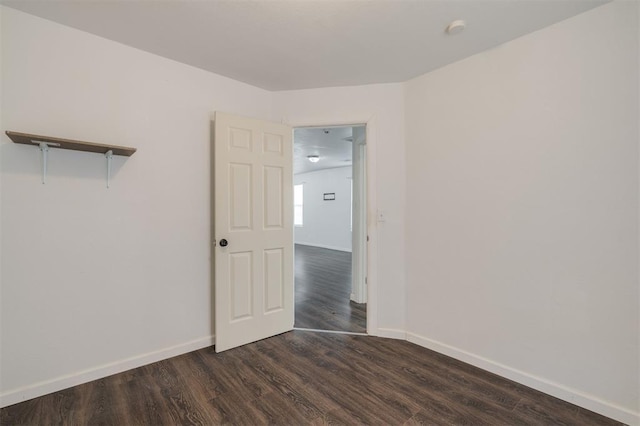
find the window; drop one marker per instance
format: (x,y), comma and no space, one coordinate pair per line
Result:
(298,201)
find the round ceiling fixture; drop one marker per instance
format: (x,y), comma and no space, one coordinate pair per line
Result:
(456,27)
(313,158)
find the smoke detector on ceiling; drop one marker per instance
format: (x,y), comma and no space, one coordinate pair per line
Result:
(456,27)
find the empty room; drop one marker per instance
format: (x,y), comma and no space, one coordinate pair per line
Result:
(148,228)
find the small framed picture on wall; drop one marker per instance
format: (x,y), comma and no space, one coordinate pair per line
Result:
(329,196)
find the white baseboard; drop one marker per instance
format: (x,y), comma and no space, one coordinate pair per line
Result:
(573,396)
(324,246)
(54,385)
(353,298)
(391,333)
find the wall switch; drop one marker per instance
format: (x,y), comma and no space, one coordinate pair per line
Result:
(381,216)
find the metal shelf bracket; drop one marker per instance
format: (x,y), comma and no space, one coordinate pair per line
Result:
(44,149)
(109,155)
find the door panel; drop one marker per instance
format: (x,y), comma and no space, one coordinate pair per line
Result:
(241,285)
(274,280)
(240,196)
(273,191)
(253,198)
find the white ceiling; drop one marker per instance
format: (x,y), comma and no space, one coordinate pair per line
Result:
(332,144)
(296,44)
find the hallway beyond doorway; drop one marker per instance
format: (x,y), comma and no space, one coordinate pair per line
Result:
(322,291)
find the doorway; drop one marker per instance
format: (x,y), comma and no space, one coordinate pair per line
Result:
(330,228)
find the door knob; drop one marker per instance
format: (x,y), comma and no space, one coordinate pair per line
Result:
(223,243)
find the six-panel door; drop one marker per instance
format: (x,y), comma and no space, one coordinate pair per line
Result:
(253,210)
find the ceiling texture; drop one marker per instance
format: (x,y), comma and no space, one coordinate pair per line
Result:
(301,44)
(333,145)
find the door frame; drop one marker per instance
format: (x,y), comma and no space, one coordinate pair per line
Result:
(359,216)
(371,208)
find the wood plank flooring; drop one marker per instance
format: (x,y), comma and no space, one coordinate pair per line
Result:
(323,289)
(303,378)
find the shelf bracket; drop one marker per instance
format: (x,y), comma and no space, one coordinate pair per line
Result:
(44,149)
(109,155)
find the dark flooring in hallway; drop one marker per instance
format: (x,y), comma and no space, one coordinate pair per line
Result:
(323,289)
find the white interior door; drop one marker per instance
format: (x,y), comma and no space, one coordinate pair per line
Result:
(359,217)
(253,229)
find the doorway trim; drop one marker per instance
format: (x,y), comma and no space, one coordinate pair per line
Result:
(372,206)
(359,216)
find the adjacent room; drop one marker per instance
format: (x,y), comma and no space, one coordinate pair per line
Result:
(330,249)
(152,213)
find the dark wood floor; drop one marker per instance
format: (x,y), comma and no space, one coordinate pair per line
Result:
(323,290)
(299,378)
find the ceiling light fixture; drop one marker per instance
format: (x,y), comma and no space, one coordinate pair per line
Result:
(456,27)
(313,158)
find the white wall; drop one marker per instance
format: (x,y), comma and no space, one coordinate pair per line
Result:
(522,210)
(382,108)
(95,280)
(1,127)
(326,223)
